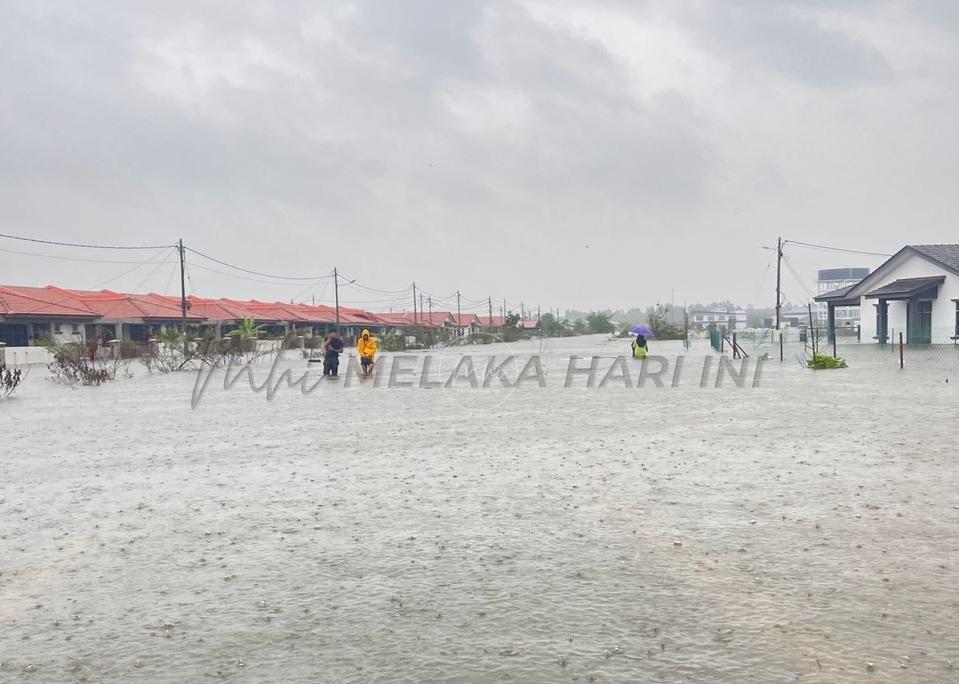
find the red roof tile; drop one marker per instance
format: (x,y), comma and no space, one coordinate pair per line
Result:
(466,320)
(438,319)
(41,301)
(66,303)
(315,314)
(109,304)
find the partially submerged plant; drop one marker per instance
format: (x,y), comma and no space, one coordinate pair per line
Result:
(823,362)
(76,364)
(169,352)
(10,379)
(249,330)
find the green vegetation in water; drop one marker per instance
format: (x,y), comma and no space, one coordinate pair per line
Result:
(821,362)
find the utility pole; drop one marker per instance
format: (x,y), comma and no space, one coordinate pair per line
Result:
(429,321)
(490,311)
(183,302)
(779,298)
(522,312)
(336,297)
(459,314)
(429,301)
(415,321)
(779,263)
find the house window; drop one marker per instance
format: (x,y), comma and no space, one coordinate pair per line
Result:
(57,330)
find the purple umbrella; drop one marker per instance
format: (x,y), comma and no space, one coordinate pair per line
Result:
(641,330)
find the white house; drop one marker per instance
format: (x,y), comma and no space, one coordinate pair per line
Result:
(915,292)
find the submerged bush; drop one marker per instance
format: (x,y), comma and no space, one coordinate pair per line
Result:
(9,380)
(76,364)
(822,362)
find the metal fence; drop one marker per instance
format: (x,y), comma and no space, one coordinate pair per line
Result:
(936,348)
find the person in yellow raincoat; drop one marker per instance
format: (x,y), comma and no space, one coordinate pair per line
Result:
(366,349)
(640,348)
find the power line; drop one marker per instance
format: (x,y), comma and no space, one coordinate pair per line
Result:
(66,258)
(79,244)
(164,253)
(148,276)
(190,278)
(351,282)
(393,297)
(827,248)
(311,289)
(763,281)
(258,273)
(798,278)
(166,287)
(239,277)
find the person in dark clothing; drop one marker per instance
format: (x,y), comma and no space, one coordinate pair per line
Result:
(332,348)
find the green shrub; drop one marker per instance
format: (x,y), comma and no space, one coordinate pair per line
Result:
(822,362)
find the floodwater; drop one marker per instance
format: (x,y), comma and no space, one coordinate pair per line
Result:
(806,529)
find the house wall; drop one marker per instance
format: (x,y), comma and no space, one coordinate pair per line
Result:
(61,330)
(25,356)
(943,308)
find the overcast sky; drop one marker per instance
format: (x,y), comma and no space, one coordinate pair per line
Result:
(566,154)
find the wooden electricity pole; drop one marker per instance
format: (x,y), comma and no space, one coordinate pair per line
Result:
(415,321)
(779,281)
(779,296)
(183,302)
(336,298)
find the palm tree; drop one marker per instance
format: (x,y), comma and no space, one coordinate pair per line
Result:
(248,331)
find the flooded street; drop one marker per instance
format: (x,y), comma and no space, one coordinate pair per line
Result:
(803,530)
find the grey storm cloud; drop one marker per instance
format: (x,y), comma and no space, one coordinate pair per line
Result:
(559,153)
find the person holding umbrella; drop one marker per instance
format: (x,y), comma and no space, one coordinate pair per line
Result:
(639,346)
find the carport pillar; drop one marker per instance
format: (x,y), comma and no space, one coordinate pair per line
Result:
(831,321)
(882,334)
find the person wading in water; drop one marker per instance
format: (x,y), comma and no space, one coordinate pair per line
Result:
(640,348)
(332,348)
(366,349)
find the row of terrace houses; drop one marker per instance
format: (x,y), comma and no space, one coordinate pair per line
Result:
(32,315)
(915,292)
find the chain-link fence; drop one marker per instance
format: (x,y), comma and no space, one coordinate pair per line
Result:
(929,348)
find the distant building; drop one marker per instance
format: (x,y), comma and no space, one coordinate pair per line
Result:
(830,279)
(729,319)
(790,318)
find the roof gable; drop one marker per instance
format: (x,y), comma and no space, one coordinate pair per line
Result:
(946,256)
(943,256)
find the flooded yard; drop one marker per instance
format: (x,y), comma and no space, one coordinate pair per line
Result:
(805,529)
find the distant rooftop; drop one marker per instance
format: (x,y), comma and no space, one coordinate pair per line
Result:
(840,274)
